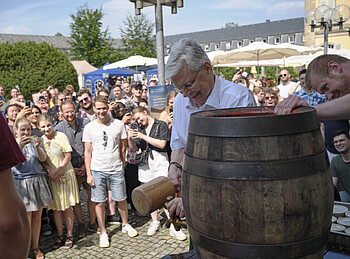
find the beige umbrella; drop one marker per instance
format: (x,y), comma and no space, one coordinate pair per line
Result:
(262,51)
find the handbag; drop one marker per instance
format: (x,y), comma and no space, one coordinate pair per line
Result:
(141,158)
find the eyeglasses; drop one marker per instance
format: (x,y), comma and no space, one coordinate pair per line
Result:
(62,100)
(188,86)
(270,97)
(84,100)
(283,75)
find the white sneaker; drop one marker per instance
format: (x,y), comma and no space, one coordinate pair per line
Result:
(153,228)
(104,242)
(178,234)
(130,230)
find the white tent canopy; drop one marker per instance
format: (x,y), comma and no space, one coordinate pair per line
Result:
(133,61)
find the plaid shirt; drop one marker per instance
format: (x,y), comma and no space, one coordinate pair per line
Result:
(314,98)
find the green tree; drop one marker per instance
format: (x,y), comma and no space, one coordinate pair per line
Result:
(90,42)
(136,36)
(230,25)
(33,67)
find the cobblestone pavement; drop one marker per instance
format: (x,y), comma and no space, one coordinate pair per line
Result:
(122,246)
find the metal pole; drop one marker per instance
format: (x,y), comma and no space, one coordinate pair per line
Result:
(325,44)
(160,43)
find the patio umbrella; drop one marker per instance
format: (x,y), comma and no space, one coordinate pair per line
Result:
(133,61)
(262,51)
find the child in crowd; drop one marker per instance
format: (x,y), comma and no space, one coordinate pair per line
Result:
(31,179)
(62,179)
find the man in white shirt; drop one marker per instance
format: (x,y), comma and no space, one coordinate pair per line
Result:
(190,70)
(105,145)
(286,84)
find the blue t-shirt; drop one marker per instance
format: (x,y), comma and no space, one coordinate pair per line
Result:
(30,168)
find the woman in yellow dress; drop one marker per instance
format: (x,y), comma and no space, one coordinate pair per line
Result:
(62,179)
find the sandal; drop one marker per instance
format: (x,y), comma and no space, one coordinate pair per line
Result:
(69,243)
(38,254)
(60,243)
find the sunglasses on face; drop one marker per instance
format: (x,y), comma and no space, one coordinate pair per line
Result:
(84,100)
(283,75)
(270,97)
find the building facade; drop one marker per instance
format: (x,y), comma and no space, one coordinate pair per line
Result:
(272,32)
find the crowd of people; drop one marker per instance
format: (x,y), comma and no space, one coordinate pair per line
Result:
(74,140)
(110,143)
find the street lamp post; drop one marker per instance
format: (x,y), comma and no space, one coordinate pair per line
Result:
(324,17)
(174,4)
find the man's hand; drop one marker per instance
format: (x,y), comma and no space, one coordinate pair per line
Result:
(176,208)
(174,176)
(90,180)
(289,104)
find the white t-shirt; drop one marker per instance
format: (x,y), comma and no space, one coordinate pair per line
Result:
(284,89)
(105,141)
(225,94)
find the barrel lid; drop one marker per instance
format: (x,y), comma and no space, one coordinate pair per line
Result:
(252,122)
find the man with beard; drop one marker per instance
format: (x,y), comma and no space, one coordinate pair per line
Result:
(85,101)
(340,165)
(286,84)
(137,92)
(73,127)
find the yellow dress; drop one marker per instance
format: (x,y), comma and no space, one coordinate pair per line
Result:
(64,194)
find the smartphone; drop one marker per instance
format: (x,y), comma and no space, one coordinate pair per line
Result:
(32,139)
(1,98)
(170,110)
(42,98)
(133,125)
(27,103)
(127,110)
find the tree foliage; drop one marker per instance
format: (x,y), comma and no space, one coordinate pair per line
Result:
(230,25)
(136,35)
(90,42)
(33,67)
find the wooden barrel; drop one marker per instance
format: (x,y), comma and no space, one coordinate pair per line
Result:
(257,185)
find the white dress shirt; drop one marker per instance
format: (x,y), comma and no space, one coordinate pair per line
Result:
(225,94)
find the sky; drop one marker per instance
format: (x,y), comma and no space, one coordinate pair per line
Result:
(43,17)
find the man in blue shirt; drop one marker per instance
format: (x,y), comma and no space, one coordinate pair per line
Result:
(73,127)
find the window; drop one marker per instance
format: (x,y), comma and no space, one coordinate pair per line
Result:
(239,44)
(291,39)
(277,40)
(228,45)
(217,46)
(206,47)
(330,46)
(88,84)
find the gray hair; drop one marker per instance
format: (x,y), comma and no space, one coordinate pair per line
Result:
(185,50)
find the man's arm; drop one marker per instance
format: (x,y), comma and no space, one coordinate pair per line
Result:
(14,224)
(338,109)
(87,160)
(293,88)
(122,150)
(335,181)
(175,173)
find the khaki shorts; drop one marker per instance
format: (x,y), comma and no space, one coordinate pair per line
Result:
(82,180)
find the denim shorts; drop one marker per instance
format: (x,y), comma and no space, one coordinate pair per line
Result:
(99,190)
